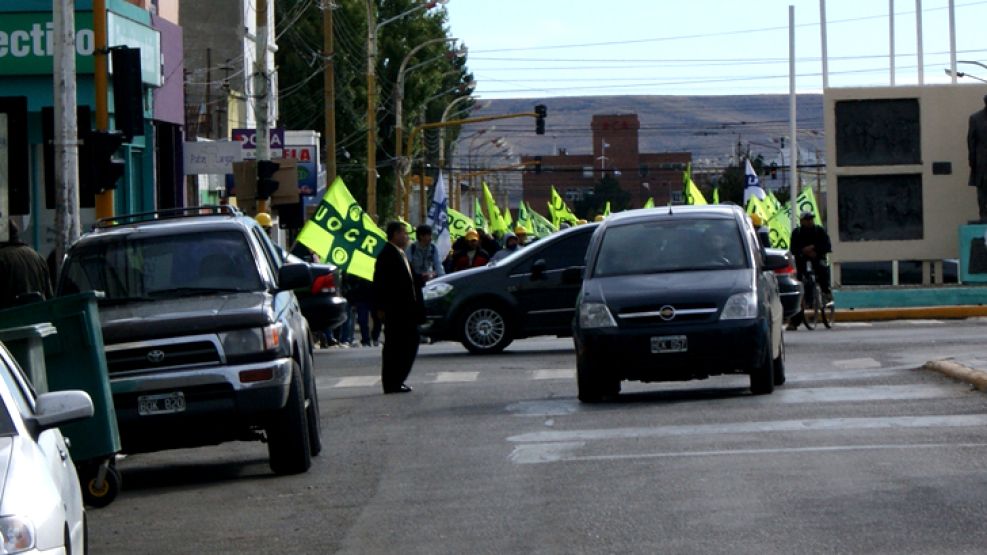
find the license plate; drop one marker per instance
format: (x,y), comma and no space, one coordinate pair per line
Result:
(164,403)
(669,344)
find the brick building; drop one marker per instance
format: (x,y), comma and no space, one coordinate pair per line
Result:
(615,152)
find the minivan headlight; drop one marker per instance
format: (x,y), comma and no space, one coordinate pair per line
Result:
(740,306)
(16,533)
(595,315)
(434,291)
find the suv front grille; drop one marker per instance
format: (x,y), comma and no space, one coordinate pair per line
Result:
(151,356)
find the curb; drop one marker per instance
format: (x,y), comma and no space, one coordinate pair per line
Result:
(976,378)
(907,313)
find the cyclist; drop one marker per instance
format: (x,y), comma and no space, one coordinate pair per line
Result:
(810,244)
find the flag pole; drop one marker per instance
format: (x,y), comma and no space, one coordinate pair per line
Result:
(792,129)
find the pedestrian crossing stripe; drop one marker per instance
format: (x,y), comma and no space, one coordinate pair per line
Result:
(456,377)
(358,381)
(558,374)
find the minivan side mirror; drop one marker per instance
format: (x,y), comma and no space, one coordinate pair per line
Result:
(538,269)
(293,276)
(572,275)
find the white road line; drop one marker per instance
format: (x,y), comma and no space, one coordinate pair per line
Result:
(847,375)
(561,374)
(854,324)
(358,381)
(822,424)
(864,393)
(856,363)
(559,452)
(923,322)
(456,377)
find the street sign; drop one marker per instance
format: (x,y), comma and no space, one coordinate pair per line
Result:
(308,173)
(248,140)
(212,157)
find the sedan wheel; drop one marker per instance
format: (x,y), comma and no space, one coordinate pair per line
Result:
(762,377)
(485,330)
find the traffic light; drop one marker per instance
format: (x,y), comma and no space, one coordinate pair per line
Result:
(537,164)
(540,112)
(106,167)
(266,184)
(774,170)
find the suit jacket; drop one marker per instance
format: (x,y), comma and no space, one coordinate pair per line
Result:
(395,291)
(976,143)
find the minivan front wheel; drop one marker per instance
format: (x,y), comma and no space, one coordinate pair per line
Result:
(594,387)
(485,329)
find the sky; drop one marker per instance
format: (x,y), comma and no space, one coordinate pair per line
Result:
(552,48)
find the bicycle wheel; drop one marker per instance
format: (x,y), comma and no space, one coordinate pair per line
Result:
(812,306)
(829,314)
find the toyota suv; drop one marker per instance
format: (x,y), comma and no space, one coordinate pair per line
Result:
(205,341)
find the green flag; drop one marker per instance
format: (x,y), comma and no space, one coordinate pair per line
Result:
(559,211)
(479,220)
(493,212)
(340,232)
(459,224)
(690,191)
(524,219)
(606,209)
(716,195)
(806,202)
(780,228)
(650,203)
(542,226)
(759,207)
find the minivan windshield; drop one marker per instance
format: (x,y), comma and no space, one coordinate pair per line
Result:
(670,245)
(135,268)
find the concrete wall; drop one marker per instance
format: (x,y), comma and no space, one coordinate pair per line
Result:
(946,200)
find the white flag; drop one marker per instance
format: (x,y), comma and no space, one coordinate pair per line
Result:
(438,218)
(752,186)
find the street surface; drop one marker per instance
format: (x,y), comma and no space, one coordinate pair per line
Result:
(860,452)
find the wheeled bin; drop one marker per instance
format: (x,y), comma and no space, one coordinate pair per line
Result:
(75,359)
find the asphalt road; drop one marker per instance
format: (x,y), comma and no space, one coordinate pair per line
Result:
(859,452)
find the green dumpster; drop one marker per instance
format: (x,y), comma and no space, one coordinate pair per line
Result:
(75,359)
(25,344)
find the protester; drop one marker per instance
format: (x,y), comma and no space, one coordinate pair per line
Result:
(398,302)
(489,242)
(471,255)
(359,293)
(510,246)
(424,257)
(810,244)
(22,270)
(522,236)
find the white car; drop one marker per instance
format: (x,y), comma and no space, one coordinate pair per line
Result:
(40,498)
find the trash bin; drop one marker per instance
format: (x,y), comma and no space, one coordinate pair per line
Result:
(75,359)
(25,343)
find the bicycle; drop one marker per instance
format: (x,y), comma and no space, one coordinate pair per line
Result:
(814,309)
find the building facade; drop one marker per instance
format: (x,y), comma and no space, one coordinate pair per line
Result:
(616,153)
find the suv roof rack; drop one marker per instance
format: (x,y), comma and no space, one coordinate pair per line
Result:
(168,214)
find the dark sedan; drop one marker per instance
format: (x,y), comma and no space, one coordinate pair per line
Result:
(522,295)
(678,294)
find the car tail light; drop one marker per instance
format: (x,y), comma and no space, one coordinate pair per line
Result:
(324,284)
(790,269)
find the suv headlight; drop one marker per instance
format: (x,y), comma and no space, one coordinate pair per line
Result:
(595,315)
(252,341)
(16,533)
(740,306)
(434,291)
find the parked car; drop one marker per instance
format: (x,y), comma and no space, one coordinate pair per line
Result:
(521,295)
(321,303)
(205,340)
(41,504)
(677,294)
(789,287)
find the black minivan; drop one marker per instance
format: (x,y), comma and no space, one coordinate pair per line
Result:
(521,295)
(678,294)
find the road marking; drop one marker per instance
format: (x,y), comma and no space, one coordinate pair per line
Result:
(358,381)
(849,375)
(559,452)
(863,393)
(923,322)
(857,363)
(456,377)
(821,424)
(854,324)
(560,374)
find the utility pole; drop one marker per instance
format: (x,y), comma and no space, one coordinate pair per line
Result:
(66,129)
(104,200)
(329,85)
(372,109)
(262,92)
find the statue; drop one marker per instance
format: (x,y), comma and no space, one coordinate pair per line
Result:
(976,142)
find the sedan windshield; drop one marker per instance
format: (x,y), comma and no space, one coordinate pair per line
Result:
(149,268)
(671,245)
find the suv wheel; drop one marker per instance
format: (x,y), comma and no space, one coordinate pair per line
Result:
(485,329)
(312,414)
(762,376)
(593,387)
(287,433)
(779,365)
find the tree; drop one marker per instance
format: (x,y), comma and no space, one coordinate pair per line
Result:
(608,189)
(733,180)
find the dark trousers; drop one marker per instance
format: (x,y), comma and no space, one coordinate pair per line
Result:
(821,270)
(364,315)
(399,352)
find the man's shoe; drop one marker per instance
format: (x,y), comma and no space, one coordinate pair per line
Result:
(400,389)
(791,327)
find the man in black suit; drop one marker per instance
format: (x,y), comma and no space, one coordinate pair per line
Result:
(398,302)
(976,141)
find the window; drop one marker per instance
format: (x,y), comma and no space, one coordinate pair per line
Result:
(588,172)
(560,254)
